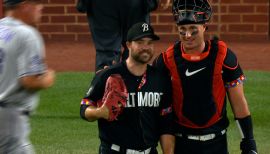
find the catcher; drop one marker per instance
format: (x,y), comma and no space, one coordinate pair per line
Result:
(132,101)
(203,73)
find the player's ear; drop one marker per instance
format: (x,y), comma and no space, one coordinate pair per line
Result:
(128,44)
(205,27)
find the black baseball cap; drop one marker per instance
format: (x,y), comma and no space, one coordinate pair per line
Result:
(12,2)
(15,2)
(141,30)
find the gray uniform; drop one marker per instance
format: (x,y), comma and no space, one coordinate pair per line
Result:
(21,54)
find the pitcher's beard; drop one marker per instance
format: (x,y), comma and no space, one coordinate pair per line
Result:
(143,57)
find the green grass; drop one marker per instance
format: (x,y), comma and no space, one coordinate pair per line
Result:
(58,129)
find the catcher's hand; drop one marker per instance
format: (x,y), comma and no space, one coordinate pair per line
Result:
(248,146)
(115,96)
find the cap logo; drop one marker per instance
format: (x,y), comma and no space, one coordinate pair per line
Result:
(145,27)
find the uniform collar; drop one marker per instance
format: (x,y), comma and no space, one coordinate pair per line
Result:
(126,71)
(12,21)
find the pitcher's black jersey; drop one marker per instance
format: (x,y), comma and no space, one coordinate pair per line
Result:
(148,112)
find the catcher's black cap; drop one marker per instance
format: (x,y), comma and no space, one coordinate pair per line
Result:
(141,30)
(191,11)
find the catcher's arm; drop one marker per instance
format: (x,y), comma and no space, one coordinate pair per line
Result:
(243,119)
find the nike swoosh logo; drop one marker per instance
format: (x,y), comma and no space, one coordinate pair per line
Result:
(193,72)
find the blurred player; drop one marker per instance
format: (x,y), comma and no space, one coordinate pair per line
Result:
(22,73)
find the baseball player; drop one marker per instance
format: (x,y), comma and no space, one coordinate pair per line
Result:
(203,72)
(22,73)
(131,101)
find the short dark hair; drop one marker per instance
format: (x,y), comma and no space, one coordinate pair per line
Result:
(12,4)
(8,3)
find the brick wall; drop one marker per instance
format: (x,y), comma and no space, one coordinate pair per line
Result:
(1,8)
(232,20)
(61,21)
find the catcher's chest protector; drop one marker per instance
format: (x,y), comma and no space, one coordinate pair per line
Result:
(198,88)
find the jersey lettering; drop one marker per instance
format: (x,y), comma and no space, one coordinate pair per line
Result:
(131,100)
(145,99)
(5,34)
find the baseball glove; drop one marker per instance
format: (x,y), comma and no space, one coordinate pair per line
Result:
(115,96)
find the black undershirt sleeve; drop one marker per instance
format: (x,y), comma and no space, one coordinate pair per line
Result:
(231,68)
(93,94)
